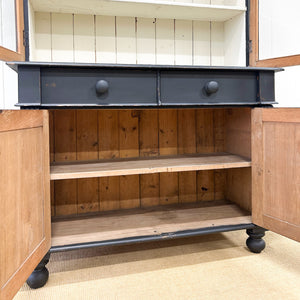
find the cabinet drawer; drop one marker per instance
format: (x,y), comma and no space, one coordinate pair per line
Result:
(97,87)
(218,87)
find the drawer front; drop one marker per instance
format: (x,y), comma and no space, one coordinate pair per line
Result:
(97,87)
(217,87)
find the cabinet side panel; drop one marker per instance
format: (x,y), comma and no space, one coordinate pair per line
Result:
(238,141)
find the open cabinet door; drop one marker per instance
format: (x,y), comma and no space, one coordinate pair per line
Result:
(276,170)
(24,196)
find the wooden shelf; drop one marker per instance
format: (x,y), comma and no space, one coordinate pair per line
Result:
(146,222)
(147,166)
(141,8)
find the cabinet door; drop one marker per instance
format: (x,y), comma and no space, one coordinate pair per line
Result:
(276,170)
(24,196)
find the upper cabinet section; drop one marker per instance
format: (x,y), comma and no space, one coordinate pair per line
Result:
(199,33)
(202,10)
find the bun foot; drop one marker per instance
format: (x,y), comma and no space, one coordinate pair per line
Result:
(40,275)
(255,243)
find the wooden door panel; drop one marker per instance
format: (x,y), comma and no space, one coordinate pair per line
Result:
(24,196)
(276,170)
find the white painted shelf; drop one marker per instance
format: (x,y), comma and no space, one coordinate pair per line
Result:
(141,8)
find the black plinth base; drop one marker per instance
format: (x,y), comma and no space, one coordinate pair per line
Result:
(40,275)
(255,242)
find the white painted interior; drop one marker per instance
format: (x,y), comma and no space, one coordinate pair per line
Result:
(279,28)
(113,39)
(214,10)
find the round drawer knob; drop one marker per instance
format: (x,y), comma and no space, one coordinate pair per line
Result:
(211,87)
(101,86)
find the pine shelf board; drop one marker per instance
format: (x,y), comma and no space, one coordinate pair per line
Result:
(119,167)
(141,8)
(146,222)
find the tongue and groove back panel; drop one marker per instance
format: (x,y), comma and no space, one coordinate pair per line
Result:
(109,134)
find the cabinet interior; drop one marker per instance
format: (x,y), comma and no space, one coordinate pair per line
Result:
(190,168)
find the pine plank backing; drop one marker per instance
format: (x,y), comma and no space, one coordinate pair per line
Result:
(205,143)
(65,150)
(143,222)
(129,147)
(121,167)
(168,145)
(148,142)
(108,139)
(187,144)
(87,149)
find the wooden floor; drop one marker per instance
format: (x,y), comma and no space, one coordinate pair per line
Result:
(145,222)
(159,164)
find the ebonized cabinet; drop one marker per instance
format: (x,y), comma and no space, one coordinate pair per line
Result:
(131,174)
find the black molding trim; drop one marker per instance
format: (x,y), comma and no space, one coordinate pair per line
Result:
(248,45)
(152,238)
(26,30)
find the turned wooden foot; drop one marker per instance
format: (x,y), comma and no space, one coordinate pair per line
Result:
(255,242)
(40,275)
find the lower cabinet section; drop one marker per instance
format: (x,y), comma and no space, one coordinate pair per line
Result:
(146,224)
(137,175)
(121,176)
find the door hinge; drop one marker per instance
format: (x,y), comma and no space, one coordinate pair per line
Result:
(25,38)
(249,46)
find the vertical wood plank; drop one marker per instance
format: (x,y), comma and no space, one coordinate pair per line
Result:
(165,42)
(183,42)
(129,147)
(84,38)
(87,149)
(51,148)
(126,40)
(205,144)
(219,142)
(108,139)
(145,41)
(43,36)
(148,141)
(105,39)
(65,150)
(168,146)
(201,39)
(1,84)
(62,37)
(205,130)
(187,144)
(217,44)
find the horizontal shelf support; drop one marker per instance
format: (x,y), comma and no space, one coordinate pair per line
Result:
(147,166)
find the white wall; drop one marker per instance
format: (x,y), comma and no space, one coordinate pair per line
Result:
(8,78)
(279,35)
